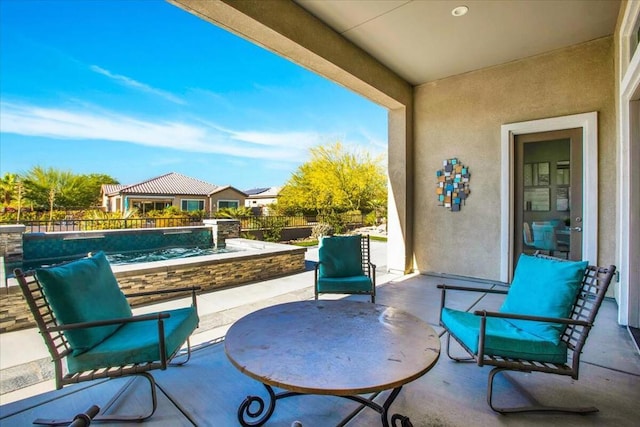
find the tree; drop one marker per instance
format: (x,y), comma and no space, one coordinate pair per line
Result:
(47,187)
(335,180)
(88,192)
(8,188)
(54,188)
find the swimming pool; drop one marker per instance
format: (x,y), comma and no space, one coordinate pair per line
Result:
(244,261)
(136,257)
(128,246)
(56,247)
(164,254)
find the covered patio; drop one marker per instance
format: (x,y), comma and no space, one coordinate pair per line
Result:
(208,390)
(468,114)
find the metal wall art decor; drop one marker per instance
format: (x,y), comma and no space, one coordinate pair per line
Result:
(453,184)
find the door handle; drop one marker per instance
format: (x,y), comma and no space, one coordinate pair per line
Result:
(578,229)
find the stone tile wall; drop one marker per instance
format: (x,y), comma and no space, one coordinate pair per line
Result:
(11,241)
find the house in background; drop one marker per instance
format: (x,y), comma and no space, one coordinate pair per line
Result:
(259,199)
(171,189)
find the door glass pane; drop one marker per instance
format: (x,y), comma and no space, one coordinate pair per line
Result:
(546,207)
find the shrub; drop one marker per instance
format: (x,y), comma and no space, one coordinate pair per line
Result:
(336,221)
(272,227)
(321,230)
(371,219)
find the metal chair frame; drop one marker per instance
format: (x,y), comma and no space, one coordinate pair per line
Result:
(594,286)
(368,268)
(53,335)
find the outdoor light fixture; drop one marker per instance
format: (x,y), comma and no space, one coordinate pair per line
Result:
(460,11)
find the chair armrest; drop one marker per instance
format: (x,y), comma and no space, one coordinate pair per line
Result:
(191,289)
(139,318)
(483,325)
(120,321)
(562,320)
(163,291)
(445,287)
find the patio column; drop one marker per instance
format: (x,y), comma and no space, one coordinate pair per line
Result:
(401,191)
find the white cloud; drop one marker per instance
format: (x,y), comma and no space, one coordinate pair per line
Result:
(30,120)
(284,139)
(129,82)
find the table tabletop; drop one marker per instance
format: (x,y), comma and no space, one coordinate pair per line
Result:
(336,347)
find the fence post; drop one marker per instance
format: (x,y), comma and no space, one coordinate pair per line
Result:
(11,242)
(222,229)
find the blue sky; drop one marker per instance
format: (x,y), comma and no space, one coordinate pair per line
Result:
(136,89)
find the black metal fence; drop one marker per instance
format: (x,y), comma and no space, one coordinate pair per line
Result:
(247,224)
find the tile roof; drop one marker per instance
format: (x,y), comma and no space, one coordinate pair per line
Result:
(112,188)
(227,187)
(171,183)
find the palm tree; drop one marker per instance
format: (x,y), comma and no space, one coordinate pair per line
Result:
(41,184)
(8,186)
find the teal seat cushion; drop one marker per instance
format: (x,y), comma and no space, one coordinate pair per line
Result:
(83,291)
(543,287)
(340,285)
(137,342)
(340,256)
(502,338)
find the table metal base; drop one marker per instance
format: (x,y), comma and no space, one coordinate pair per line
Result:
(248,416)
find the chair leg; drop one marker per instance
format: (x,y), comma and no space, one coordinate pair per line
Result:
(110,418)
(186,353)
(455,358)
(534,408)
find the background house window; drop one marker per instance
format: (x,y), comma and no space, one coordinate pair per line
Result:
(228,204)
(192,205)
(144,206)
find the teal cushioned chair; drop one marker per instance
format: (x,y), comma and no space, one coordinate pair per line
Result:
(86,321)
(344,266)
(542,325)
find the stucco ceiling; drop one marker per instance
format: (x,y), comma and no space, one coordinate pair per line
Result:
(421,40)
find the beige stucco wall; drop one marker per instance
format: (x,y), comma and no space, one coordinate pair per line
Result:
(227,194)
(461,117)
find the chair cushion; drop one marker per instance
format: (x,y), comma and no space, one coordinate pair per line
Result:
(137,342)
(502,338)
(82,291)
(339,285)
(543,287)
(340,256)
(544,236)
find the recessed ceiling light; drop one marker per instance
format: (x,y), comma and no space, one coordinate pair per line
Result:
(460,11)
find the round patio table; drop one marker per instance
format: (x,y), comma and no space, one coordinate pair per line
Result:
(340,348)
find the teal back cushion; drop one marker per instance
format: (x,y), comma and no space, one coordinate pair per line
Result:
(543,287)
(82,291)
(340,256)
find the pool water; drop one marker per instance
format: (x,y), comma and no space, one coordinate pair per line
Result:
(163,254)
(128,257)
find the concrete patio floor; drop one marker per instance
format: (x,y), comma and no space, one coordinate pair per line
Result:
(208,390)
